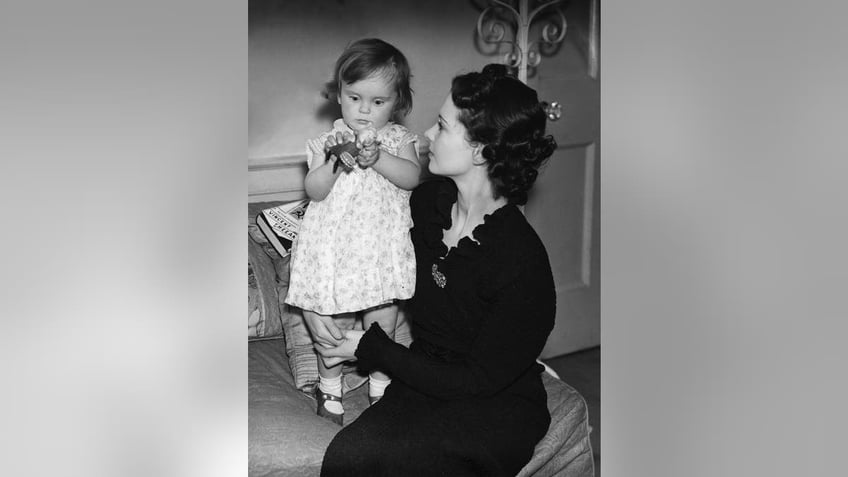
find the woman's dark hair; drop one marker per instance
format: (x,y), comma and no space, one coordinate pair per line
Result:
(504,116)
(368,57)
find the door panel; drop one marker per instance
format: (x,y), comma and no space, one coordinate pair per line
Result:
(556,209)
(563,209)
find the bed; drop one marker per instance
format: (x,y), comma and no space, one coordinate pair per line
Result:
(287,438)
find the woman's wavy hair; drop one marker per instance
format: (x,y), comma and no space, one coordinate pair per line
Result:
(372,56)
(504,116)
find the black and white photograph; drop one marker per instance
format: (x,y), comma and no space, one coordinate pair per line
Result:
(424,239)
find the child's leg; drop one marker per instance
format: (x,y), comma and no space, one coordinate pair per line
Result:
(386,317)
(330,379)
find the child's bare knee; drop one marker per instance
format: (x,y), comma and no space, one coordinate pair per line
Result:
(385,317)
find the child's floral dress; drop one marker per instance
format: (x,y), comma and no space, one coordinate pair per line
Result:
(353,250)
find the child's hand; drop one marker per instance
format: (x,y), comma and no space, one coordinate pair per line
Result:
(368,155)
(331,148)
(369,147)
(338,138)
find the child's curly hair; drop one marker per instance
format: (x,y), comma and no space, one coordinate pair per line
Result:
(504,116)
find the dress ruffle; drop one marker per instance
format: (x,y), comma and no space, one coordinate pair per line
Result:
(487,232)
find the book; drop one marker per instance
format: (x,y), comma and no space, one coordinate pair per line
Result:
(281,223)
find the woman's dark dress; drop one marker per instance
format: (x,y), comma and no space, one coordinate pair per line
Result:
(467,397)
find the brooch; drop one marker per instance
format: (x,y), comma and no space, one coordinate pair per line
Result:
(439,277)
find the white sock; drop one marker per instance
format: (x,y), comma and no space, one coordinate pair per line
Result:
(331,386)
(377,386)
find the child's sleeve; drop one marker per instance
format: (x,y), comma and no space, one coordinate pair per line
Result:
(409,138)
(314,153)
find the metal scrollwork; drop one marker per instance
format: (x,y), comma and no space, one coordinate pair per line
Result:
(523,53)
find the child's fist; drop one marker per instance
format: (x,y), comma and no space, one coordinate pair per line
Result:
(368,156)
(369,150)
(366,137)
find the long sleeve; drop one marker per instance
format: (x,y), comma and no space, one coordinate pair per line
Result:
(509,340)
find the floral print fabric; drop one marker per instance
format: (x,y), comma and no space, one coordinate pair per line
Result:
(353,250)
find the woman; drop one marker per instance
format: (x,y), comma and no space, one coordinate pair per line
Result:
(467,396)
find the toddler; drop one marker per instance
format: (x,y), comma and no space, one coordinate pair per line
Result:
(353,252)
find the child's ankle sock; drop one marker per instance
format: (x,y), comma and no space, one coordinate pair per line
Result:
(331,386)
(377,386)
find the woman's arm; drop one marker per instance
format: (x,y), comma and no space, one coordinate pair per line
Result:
(508,344)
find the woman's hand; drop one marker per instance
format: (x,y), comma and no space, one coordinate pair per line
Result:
(323,330)
(329,361)
(345,351)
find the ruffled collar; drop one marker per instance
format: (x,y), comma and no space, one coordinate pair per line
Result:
(485,233)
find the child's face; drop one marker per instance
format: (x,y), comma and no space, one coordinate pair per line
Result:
(367,102)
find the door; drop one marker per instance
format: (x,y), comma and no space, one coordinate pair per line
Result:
(564,205)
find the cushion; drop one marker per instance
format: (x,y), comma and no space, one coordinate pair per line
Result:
(267,280)
(286,437)
(263,309)
(566,450)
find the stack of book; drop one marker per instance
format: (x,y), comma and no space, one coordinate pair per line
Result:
(280,224)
